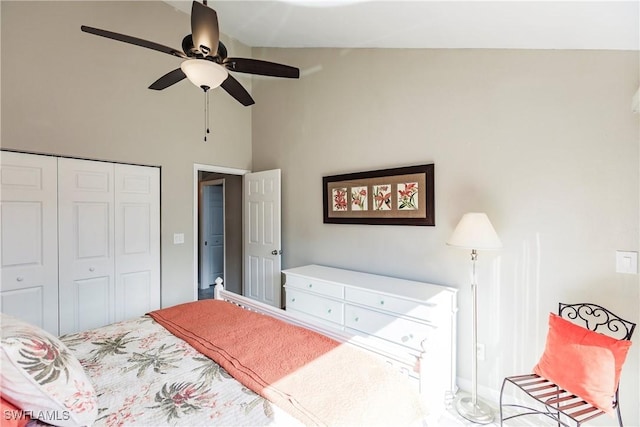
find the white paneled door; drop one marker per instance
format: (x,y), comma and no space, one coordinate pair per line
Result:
(109,215)
(80,241)
(262,241)
(86,248)
(28,227)
(137,240)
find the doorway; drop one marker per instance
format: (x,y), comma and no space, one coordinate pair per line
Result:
(221,222)
(211,235)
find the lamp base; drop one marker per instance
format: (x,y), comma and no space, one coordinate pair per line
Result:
(479,412)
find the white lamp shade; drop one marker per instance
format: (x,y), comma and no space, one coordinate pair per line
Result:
(474,231)
(202,72)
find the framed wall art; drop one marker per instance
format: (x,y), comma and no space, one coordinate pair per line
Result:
(398,196)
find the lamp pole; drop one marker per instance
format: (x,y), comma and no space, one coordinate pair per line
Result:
(471,408)
(474,332)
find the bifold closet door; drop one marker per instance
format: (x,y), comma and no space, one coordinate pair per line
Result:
(28,232)
(86,201)
(137,240)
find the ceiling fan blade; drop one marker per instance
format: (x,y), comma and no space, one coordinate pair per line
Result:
(222,51)
(235,89)
(171,78)
(263,68)
(132,40)
(204,29)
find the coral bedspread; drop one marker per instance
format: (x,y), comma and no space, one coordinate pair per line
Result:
(316,379)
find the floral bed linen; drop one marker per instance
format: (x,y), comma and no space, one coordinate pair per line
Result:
(143,375)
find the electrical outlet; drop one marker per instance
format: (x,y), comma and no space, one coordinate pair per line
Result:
(480,351)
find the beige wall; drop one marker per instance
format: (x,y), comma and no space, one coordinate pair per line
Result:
(70,93)
(543,141)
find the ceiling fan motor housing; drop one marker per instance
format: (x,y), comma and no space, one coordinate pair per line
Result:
(192,52)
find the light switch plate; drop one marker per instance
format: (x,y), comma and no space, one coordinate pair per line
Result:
(178,238)
(627,262)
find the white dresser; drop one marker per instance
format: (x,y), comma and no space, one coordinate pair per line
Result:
(404,317)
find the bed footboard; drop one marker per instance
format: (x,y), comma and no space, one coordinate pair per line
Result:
(411,364)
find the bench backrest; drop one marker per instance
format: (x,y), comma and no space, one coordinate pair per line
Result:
(597,318)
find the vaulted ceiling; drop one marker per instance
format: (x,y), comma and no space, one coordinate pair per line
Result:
(430,24)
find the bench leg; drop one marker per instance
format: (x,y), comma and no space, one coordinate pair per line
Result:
(618,408)
(501,393)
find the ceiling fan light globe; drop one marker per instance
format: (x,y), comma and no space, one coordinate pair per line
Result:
(202,72)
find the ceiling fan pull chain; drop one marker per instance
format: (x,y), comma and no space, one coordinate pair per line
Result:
(206,114)
(208,108)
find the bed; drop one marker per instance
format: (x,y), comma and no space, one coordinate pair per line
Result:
(227,361)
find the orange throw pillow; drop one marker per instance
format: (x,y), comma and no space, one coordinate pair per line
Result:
(583,362)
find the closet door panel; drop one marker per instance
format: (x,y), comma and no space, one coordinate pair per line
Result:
(27,304)
(135,295)
(28,238)
(92,232)
(137,240)
(86,250)
(90,302)
(22,234)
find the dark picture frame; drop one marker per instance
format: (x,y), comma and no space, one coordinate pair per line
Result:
(396,196)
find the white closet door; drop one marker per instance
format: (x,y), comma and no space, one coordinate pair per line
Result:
(137,240)
(86,249)
(28,227)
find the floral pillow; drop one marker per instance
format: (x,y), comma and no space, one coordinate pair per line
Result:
(40,376)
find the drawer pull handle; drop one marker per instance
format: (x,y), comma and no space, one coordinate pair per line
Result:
(356,319)
(329,311)
(311,285)
(381,302)
(407,338)
(19,278)
(293,299)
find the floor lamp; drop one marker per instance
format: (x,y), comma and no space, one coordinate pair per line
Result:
(475,232)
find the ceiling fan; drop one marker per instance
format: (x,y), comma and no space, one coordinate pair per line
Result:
(206,63)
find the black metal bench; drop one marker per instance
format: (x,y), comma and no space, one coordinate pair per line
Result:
(556,401)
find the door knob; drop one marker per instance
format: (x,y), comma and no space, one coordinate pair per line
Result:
(274,252)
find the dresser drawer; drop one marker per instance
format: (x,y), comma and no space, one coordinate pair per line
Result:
(397,330)
(423,311)
(322,308)
(315,285)
(314,320)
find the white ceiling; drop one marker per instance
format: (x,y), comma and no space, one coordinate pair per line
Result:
(430,24)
